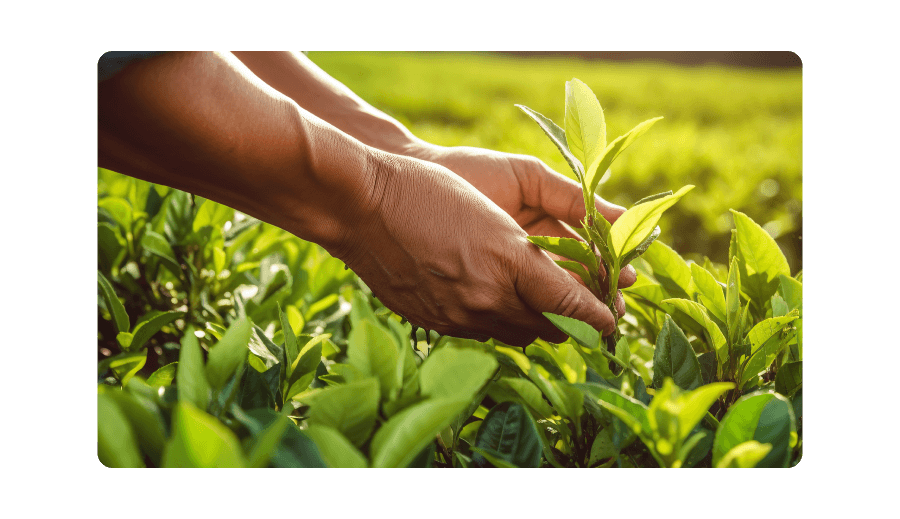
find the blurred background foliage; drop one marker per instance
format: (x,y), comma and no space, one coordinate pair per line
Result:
(735,133)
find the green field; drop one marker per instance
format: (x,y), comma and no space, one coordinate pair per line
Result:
(734,133)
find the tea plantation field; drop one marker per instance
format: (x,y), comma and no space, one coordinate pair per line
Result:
(224,341)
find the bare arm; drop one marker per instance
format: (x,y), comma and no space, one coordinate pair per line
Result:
(297,77)
(201,122)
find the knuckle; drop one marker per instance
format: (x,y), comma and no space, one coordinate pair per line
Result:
(568,304)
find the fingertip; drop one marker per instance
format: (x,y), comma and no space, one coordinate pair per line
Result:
(620,305)
(627,276)
(609,210)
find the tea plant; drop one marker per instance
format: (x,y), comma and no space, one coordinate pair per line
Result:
(223,341)
(583,145)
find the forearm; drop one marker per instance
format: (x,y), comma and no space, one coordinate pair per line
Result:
(202,123)
(295,76)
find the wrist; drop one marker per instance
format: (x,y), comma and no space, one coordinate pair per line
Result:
(320,184)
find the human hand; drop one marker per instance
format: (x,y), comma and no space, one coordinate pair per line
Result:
(536,197)
(439,252)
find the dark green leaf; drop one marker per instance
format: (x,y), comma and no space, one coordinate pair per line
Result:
(675,358)
(789,378)
(120,317)
(425,458)
(509,432)
(708,366)
(147,329)
(764,417)
(295,449)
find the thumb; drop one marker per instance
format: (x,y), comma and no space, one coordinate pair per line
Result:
(546,287)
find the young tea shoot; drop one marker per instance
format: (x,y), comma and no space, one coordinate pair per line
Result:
(607,246)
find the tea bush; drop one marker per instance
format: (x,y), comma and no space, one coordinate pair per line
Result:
(225,341)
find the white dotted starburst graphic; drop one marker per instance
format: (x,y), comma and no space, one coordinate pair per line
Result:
(48,192)
(852,310)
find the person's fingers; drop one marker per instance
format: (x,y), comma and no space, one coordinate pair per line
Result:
(558,195)
(545,287)
(609,210)
(620,305)
(627,276)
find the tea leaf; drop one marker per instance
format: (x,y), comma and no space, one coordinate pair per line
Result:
(405,434)
(577,268)
(637,223)
(116,444)
(455,373)
(529,394)
(764,417)
(229,353)
(567,248)
(144,330)
(126,364)
(558,137)
(792,290)
(290,342)
(733,303)
(509,433)
(631,413)
(190,375)
(157,244)
(744,455)
(145,419)
(374,351)
(349,408)
(164,375)
(789,378)
(761,261)
(294,449)
(336,449)
(595,169)
(692,407)
(585,124)
(710,292)
(642,247)
(199,440)
(583,333)
(699,315)
(675,358)
(116,309)
(766,343)
(669,269)
(654,197)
